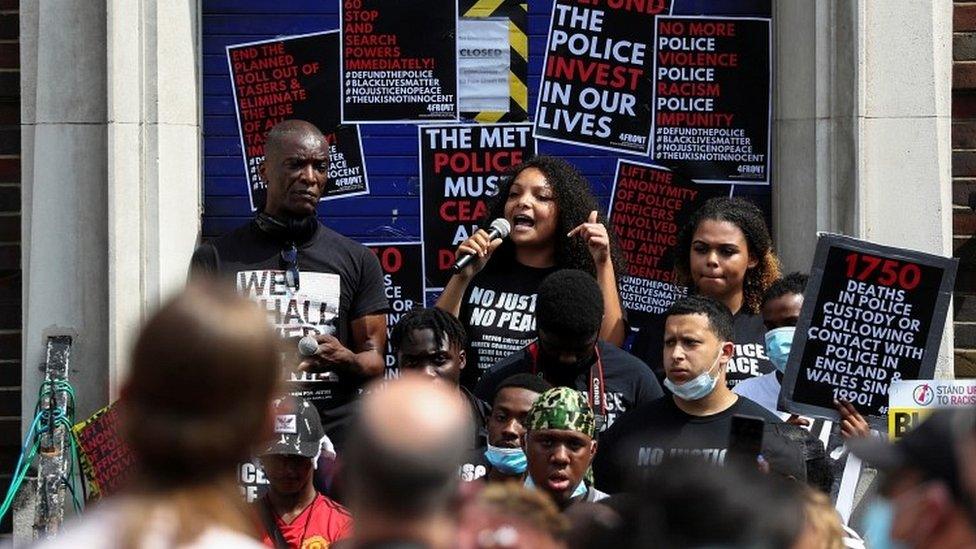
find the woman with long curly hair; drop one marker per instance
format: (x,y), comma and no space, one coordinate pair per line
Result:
(555,225)
(724,251)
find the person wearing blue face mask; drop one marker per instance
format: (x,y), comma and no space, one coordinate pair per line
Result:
(696,419)
(503,459)
(781,306)
(923,494)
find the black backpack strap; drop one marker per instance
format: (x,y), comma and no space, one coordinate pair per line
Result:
(270,524)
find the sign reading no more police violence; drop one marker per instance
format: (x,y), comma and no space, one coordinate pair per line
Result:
(871,315)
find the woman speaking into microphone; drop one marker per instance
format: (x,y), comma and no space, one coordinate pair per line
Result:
(555,224)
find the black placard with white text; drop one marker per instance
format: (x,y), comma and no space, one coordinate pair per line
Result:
(461,167)
(399,60)
(294,78)
(871,314)
(712,98)
(402,264)
(648,207)
(597,76)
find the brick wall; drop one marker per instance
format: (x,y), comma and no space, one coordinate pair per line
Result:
(964,183)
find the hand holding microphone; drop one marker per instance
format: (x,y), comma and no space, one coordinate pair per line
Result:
(322,352)
(473,253)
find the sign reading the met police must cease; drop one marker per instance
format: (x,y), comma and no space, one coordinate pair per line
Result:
(597,76)
(871,315)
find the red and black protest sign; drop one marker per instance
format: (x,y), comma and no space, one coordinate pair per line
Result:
(106,460)
(712,97)
(871,315)
(295,77)
(648,207)
(399,60)
(597,76)
(461,167)
(402,264)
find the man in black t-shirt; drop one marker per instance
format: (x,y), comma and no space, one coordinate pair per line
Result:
(312,280)
(431,341)
(696,420)
(569,312)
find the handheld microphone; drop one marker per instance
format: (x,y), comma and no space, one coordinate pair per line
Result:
(499,228)
(308,345)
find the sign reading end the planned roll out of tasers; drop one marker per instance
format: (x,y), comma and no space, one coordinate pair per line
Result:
(871,315)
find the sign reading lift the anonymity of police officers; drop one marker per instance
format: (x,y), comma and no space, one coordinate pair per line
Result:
(871,315)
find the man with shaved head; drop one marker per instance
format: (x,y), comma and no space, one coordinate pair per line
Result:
(312,280)
(402,461)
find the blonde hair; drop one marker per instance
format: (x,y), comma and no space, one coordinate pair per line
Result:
(822,519)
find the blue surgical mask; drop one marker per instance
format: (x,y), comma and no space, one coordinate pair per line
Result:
(778,343)
(510,461)
(877,526)
(579,491)
(697,388)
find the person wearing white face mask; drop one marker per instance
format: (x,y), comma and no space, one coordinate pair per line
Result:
(693,421)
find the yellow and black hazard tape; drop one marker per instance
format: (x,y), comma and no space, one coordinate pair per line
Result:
(517,12)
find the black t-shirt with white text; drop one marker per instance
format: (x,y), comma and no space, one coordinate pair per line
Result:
(498,312)
(628,381)
(749,358)
(340,280)
(654,432)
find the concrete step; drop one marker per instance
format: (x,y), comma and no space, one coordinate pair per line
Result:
(965,363)
(965,334)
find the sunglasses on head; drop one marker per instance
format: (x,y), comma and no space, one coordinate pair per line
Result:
(290,259)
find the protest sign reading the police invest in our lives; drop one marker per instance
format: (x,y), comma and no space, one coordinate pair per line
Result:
(871,315)
(399,60)
(461,167)
(712,97)
(294,78)
(597,76)
(648,206)
(402,264)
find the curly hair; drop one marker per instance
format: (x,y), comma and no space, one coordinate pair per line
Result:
(746,216)
(574,202)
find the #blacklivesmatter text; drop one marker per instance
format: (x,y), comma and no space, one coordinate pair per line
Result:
(268,84)
(693,57)
(377,73)
(645,206)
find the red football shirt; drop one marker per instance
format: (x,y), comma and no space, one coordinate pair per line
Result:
(321,524)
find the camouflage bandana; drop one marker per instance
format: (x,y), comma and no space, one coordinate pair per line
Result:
(561,408)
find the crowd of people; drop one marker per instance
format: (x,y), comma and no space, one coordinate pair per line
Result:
(568,441)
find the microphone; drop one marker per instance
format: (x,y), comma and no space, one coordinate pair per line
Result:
(499,228)
(308,345)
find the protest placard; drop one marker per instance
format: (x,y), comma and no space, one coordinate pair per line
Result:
(648,206)
(294,78)
(712,97)
(597,76)
(911,401)
(871,315)
(402,264)
(399,60)
(461,167)
(106,460)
